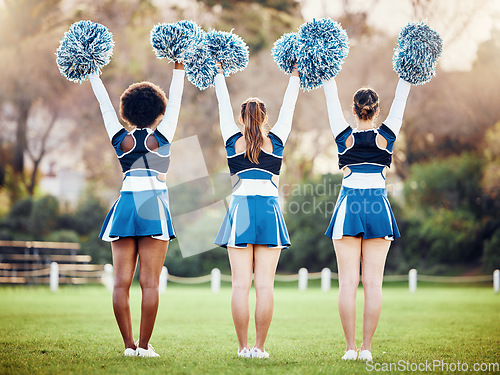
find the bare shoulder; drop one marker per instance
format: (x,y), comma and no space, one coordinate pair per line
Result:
(268,145)
(127,143)
(240,145)
(349,141)
(381,141)
(152,143)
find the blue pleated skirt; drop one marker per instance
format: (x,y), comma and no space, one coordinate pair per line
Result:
(363,212)
(139,214)
(253,220)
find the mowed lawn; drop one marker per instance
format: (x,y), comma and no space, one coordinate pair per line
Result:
(73,331)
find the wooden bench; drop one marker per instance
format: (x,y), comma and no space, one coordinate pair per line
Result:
(28,262)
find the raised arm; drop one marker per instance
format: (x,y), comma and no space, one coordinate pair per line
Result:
(395,118)
(168,124)
(111,122)
(335,115)
(283,126)
(228,127)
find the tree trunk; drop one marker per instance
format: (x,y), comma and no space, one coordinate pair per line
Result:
(31,187)
(3,162)
(20,145)
(38,159)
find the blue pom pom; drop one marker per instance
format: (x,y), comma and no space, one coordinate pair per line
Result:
(323,47)
(172,40)
(285,51)
(84,49)
(417,52)
(200,65)
(229,49)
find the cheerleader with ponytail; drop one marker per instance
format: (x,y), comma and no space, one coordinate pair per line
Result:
(253,230)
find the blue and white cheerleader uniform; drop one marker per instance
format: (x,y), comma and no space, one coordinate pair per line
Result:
(362,207)
(254,214)
(143,207)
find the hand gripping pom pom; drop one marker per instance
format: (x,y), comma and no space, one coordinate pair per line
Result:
(417,52)
(200,65)
(173,40)
(285,51)
(84,49)
(323,47)
(229,49)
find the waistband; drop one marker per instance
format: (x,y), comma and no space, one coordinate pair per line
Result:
(255,187)
(364,181)
(142,172)
(134,183)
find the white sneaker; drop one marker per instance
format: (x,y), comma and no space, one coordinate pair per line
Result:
(245,353)
(257,353)
(150,352)
(129,352)
(350,355)
(365,355)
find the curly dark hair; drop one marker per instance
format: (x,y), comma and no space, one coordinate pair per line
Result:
(142,103)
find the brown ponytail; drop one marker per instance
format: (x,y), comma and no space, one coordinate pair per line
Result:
(253,115)
(365,103)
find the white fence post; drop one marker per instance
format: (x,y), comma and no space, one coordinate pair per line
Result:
(215,280)
(163,280)
(108,277)
(496,280)
(412,280)
(326,279)
(303,279)
(54,276)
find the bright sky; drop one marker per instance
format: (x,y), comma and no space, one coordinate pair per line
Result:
(448,18)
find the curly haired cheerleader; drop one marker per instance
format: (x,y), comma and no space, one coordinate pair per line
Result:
(363,225)
(253,230)
(138,225)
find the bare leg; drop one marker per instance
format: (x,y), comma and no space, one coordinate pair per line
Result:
(348,252)
(124,263)
(266,261)
(241,261)
(152,254)
(374,252)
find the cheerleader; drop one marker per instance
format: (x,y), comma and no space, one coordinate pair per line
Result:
(139,225)
(363,225)
(253,230)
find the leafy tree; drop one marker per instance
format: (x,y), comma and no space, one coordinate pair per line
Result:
(442,237)
(44,216)
(308,210)
(491,255)
(452,183)
(89,215)
(491,151)
(63,235)
(27,40)
(99,250)
(447,215)
(19,213)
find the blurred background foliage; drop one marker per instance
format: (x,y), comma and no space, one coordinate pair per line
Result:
(445,181)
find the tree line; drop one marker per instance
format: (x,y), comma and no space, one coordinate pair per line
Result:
(446,156)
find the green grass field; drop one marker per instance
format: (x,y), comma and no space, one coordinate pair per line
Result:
(74,331)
